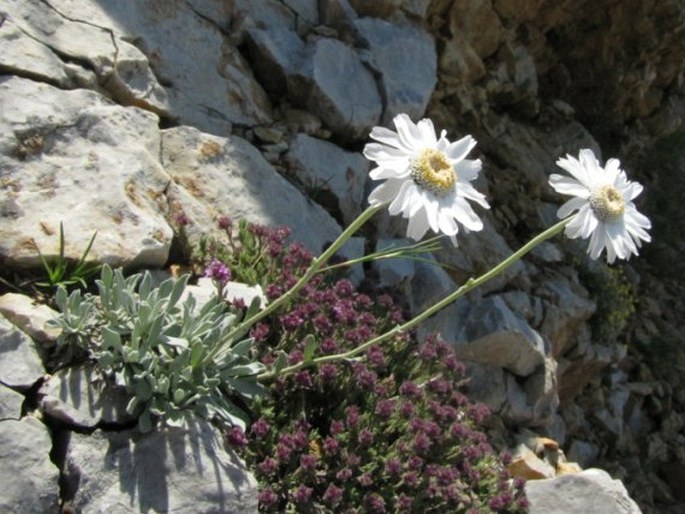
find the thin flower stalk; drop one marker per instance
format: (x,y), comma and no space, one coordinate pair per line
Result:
(435,308)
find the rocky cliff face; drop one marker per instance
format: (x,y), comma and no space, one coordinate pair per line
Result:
(124,118)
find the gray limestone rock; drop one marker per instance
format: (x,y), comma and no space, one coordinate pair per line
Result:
(30,317)
(10,403)
(20,363)
(404,56)
(592,490)
(20,53)
(29,478)
(182,470)
(215,176)
(81,398)
(73,157)
(139,58)
(275,53)
(491,333)
(334,84)
(324,167)
(567,308)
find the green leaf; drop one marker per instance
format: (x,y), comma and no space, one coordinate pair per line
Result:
(179,395)
(144,422)
(249,389)
(309,348)
(196,354)
(280,362)
(132,405)
(111,339)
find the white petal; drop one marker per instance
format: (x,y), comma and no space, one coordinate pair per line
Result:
(466,190)
(460,149)
(574,228)
(597,242)
(612,168)
(632,190)
(432,212)
(392,172)
(386,192)
(589,221)
(417,225)
(589,162)
(467,169)
(386,136)
(408,133)
(572,205)
(397,204)
(427,133)
(465,215)
(447,224)
(568,186)
(574,167)
(616,234)
(381,153)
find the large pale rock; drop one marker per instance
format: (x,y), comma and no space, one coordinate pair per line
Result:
(29,478)
(215,176)
(10,403)
(181,470)
(491,333)
(334,84)
(20,53)
(325,167)
(73,157)
(30,317)
(20,363)
(138,57)
(592,490)
(405,59)
(79,397)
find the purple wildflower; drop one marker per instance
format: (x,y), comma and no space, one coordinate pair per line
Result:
(218,272)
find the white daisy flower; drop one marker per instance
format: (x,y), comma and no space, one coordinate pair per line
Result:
(604,201)
(427,179)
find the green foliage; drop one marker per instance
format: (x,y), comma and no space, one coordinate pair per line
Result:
(609,287)
(163,351)
(59,272)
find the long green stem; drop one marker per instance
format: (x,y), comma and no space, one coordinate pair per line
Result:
(452,297)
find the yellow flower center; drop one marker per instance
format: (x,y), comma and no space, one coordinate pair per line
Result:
(607,203)
(432,170)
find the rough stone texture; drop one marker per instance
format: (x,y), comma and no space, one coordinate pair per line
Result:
(493,334)
(405,59)
(592,490)
(566,309)
(30,480)
(74,157)
(277,53)
(325,168)
(139,59)
(30,317)
(215,176)
(349,108)
(20,363)
(10,403)
(80,398)
(181,470)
